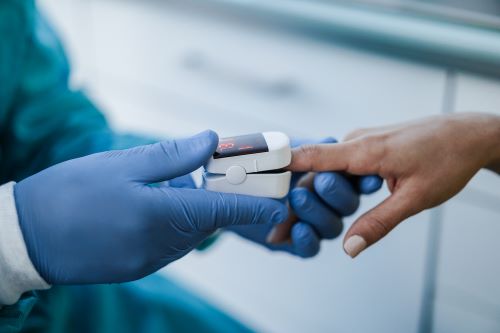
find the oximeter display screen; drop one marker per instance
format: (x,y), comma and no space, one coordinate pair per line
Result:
(241,145)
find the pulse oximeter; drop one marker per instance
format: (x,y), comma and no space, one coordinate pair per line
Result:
(250,164)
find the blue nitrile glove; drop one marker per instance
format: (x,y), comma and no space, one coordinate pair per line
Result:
(320,213)
(96,219)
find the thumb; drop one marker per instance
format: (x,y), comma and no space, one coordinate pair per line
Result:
(209,211)
(378,222)
(170,159)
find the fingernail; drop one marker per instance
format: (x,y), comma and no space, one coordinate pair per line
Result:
(354,245)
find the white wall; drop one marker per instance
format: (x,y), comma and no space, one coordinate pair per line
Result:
(160,69)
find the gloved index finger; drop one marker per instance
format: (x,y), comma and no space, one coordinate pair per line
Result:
(369,184)
(337,192)
(209,211)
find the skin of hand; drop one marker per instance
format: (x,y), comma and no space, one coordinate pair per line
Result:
(424,162)
(106,218)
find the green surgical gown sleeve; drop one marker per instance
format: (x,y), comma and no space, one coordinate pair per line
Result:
(43,122)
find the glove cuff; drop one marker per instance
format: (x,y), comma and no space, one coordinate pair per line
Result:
(17,273)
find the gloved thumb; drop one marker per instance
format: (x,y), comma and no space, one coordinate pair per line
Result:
(378,222)
(170,159)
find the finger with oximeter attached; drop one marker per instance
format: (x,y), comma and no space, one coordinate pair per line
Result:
(339,191)
(298,201)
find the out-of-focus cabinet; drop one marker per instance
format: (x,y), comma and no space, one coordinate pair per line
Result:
(468,292)
(235,77)
(479,94)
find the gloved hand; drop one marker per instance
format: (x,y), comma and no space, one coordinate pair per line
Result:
(97,219)
(320,213)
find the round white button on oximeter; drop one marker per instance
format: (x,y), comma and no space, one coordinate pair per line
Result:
(250,164)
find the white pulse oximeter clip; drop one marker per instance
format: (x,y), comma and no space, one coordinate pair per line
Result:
(250,164)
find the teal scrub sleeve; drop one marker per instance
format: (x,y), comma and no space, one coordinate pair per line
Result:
(151,305)
(13,317)
(47,122)
(43,121)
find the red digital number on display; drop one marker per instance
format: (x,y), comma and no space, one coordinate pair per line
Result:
(224,146)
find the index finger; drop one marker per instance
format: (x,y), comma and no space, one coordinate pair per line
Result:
(203,210)
(350,156)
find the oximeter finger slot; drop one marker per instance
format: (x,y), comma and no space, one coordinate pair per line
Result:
(264,185)
(251,164)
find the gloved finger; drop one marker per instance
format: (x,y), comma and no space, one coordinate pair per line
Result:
(379,221)
(169,159)
(369,184)
(207,211)
(185,181)
(328,139)
(335,190)
(305,242)
(310,209)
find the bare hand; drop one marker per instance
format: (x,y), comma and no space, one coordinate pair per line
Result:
(424,163)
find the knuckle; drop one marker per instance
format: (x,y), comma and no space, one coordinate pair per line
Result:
(377,228)
(309,152)
(371,151)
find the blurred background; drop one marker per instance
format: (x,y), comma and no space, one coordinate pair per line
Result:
(311,69)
